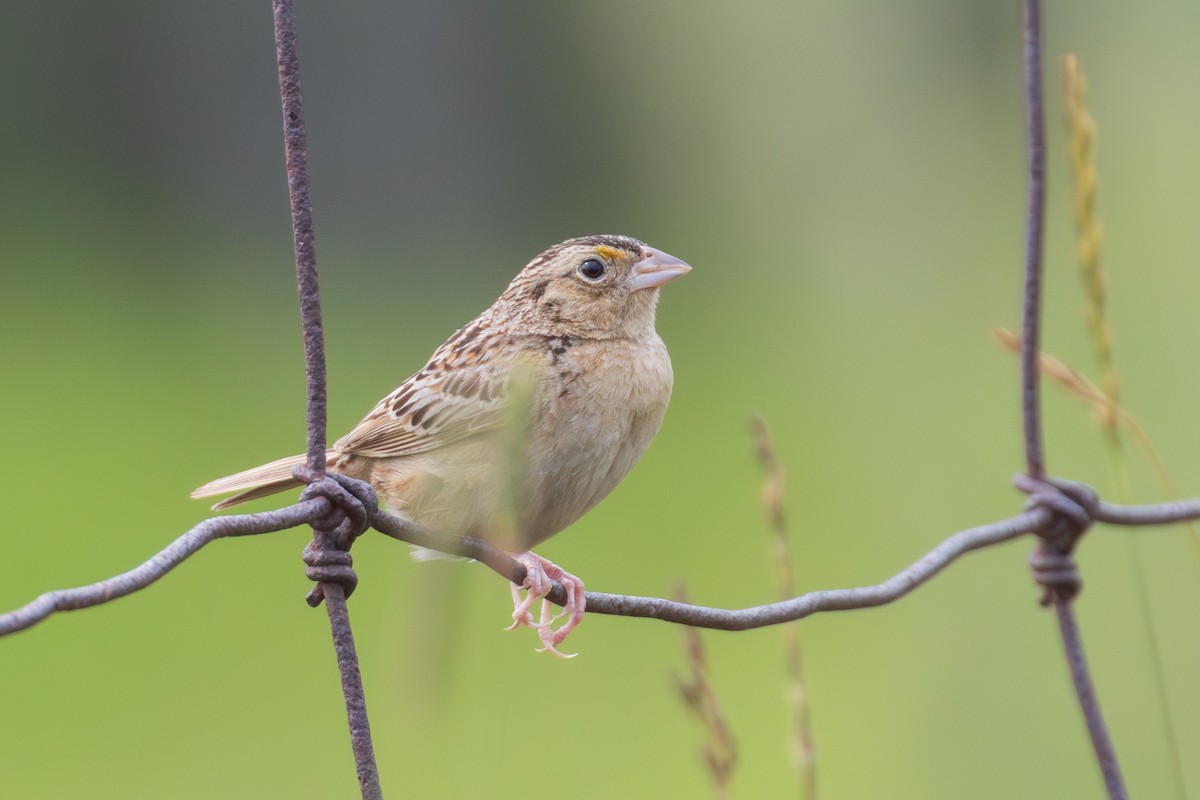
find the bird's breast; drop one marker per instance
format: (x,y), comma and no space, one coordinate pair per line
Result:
(602,403)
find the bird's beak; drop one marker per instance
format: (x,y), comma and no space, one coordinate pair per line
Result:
(655,269)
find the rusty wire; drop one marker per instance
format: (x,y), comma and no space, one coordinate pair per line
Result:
(1055,505)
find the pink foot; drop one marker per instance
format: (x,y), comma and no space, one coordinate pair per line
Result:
(540,576)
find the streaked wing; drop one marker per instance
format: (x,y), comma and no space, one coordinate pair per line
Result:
(443,403)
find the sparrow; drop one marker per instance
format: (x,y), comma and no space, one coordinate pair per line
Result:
(523,420)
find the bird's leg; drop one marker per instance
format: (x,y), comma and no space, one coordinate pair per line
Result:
(540,577)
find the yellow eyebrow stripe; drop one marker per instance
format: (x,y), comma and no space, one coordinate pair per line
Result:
(609,253)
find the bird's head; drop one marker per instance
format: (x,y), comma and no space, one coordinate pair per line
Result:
(595,287)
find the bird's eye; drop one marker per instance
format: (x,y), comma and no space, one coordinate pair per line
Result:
(593,269)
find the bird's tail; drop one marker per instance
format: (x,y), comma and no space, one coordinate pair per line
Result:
(254,483)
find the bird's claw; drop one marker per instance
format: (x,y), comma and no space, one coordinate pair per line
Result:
(540,577)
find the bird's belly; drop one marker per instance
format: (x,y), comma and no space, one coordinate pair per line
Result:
(588,430)
(591,436)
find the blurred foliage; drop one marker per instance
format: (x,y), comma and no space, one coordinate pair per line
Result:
(847,179)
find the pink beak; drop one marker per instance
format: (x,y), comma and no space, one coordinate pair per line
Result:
(655,269)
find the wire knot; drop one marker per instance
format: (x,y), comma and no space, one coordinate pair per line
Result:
(1070,505)
(352,507)
(328,565)
(352,503)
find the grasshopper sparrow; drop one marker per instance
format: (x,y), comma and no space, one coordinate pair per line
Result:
(523,419)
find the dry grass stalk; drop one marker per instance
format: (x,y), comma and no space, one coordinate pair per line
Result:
(720,751)
(1078,384)
(1081,139)
(801,747)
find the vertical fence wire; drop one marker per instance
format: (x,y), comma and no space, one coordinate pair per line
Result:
(1106,755)
(296,153)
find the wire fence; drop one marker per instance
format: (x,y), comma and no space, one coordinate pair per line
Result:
(1057,515)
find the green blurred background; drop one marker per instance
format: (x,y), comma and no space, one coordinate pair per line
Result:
(847,180)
